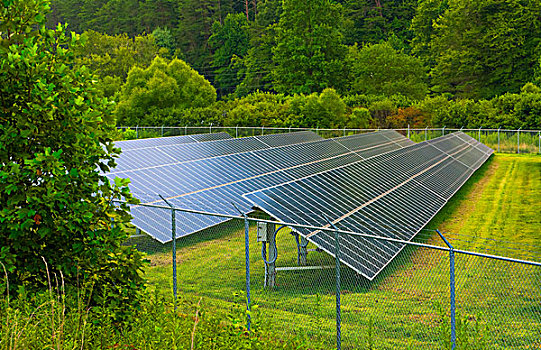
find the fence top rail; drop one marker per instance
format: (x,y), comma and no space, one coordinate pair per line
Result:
(364,235)
(321,129)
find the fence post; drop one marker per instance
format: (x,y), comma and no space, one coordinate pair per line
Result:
(262,130)
(174,249)
(408,131)
(499,139)
(518,140)
(337,272)
(247,253)
(236,131)
(137,132)
(162,130)
(247,263)
(210,128)
(426,133)
(443,131)
(185,129)
(539,146)
(479,137)
(451,289)
(344,131)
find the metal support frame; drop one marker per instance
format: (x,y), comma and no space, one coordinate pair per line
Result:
(443,131)
(270,264)
(303,251)
(426,133)
(451,289)
(408,131)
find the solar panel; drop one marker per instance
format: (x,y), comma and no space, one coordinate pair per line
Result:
(391,195)
(170,140)
(213,184)
(153,156)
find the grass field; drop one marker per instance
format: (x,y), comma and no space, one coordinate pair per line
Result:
(498,303)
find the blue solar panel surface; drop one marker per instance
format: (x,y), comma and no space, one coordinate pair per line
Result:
(152,156)
(212,184)
(392,195)
(170,140)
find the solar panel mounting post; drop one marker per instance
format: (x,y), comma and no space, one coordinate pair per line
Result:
(303,251)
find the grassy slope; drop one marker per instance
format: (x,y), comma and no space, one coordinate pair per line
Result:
(403,307)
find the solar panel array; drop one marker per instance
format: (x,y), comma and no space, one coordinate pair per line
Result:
(211,184)
(170,140)
(392,195)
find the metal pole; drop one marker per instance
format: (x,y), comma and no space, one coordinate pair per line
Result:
(408,131)
(137,132)
(174,249)
(443,131)
(499,139)
(426,133)
(247,253)
(479,137)
(237,131)
(518,140)
(344,131)
(451,289)
(210,128)
(262,130)
(337,271)
(539,151)
(185,129)
(162,130)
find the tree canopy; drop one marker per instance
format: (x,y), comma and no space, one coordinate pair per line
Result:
(56,207)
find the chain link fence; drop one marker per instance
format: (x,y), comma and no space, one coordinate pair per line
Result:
(435,294)
(500,140)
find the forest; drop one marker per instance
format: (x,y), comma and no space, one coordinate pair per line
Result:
(317,63)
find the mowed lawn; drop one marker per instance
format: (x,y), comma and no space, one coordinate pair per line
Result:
(498,303)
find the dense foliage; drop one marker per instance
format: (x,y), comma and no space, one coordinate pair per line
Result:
(57,219)
(467,53)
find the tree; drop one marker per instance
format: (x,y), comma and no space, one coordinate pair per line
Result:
(258,63)
(380,69)
(55,146)
(309,53)
(371,21)
(422,25)
(485,48)
(111,57)
(150,95)
(230,42)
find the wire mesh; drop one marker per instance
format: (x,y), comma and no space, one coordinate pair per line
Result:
(498,303)
(504,141)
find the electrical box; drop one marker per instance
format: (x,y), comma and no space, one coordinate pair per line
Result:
(262,232)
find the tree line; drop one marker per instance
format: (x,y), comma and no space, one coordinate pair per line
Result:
(385,63)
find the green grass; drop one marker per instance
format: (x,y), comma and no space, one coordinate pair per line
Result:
(407,306)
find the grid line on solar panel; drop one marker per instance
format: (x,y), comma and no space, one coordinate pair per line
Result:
(216,197)
(351,199)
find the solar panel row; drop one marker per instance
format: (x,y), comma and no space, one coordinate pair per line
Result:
(392,195)
(212,184)
(170,140)
(156,155)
